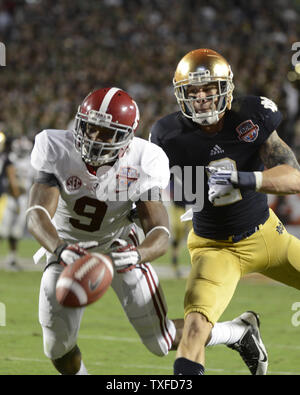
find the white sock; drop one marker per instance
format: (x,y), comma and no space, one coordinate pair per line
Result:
(227,332)
(11,257)
(82,371)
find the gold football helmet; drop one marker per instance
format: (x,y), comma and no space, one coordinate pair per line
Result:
(2,141)
(198,68)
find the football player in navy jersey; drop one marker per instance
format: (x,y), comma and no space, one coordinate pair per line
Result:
(8,178)
(7,170)
(235,233)
(88,181)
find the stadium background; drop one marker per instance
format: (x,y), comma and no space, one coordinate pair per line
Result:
(56,52)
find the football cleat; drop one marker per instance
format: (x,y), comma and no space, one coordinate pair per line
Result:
(250,345)
(13,266)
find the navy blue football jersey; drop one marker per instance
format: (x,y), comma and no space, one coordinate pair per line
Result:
(246,127)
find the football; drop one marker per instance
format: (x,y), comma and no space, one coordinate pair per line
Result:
(84,281)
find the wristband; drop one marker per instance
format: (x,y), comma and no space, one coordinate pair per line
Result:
(60,249)
(37,207)
(247,180)
(159,227)
(259,179)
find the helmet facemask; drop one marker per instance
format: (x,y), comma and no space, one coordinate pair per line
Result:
(219,101)
(97,153)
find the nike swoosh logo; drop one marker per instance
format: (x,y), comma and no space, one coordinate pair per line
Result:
(94,285)
(262,355)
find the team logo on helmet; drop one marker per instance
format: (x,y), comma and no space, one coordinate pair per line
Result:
(247,131)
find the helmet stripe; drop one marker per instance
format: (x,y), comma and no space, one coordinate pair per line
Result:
(107,99)
(137,116)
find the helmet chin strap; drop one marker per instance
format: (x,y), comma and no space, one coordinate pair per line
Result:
(210,120)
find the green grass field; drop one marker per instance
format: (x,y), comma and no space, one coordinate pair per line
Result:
(109,344)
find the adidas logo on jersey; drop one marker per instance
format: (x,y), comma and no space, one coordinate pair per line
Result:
(216,150)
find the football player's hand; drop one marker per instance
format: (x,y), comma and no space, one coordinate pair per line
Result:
(218,190)
(219,176)
(124,255)
(69,253)
(219,183)
(220,179)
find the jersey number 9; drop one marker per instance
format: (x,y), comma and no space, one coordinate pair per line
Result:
(89,208)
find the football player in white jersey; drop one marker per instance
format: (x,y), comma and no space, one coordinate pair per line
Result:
(88,181)
(12,224)
(10,194)
(8,177)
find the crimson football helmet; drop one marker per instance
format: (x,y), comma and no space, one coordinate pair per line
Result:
(111,109)
(199,68)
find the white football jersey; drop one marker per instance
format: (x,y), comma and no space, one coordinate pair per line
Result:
(96,206)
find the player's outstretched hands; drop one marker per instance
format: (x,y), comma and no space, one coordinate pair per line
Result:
(69,253)
(124,255)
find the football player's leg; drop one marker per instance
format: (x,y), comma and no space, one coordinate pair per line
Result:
(3,204)
(7,217)
(17,231)
(60,326)
(6,225)
(143,301)
(210,287)
(283,263)
(285,267)
(178,233)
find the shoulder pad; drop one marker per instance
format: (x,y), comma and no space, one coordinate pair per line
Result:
(154,166)
(49,146)
(258,109)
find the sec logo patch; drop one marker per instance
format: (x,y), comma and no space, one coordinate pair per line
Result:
(73,183)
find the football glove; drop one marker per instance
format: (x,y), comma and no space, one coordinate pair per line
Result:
(216,190)
(222,181)
(69,253)
(219,183)
(124,255)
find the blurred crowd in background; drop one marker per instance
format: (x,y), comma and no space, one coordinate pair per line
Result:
(57,52)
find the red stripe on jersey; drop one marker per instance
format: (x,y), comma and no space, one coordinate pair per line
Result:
(133,236)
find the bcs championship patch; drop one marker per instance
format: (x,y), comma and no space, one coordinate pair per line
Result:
(247,131)
(126,176)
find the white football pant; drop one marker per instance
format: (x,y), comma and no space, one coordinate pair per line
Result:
(140,295)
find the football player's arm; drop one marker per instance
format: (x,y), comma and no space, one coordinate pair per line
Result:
(38,221)
(282,174)
(281,177)
(155,222)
